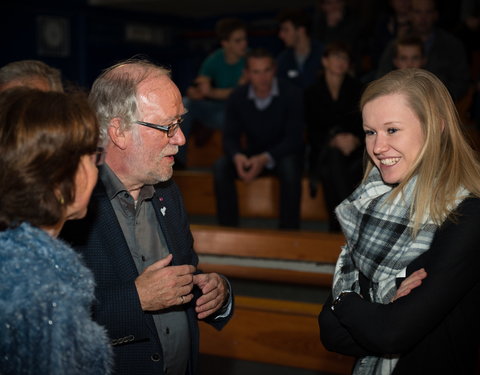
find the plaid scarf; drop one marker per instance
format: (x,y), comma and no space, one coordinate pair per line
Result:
(379,245)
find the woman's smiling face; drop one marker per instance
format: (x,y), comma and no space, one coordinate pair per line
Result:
(393,136)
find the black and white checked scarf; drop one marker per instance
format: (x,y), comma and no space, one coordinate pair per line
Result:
(380,245)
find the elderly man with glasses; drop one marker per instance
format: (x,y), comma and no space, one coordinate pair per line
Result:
(136,238)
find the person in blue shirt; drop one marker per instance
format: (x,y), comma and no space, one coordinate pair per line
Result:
(219,74)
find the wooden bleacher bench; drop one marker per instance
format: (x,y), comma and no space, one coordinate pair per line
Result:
(269,255)
(265,330)
(205,155)
(258,198)
(278,332)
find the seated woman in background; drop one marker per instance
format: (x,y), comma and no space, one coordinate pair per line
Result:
(334,130)
(48,151)
(406,291)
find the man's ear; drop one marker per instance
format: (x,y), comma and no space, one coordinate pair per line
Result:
(116,134)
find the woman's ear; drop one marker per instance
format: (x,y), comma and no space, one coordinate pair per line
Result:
(85,180)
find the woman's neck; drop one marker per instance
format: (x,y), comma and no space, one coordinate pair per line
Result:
(334,82)
(303,47)
(54,230)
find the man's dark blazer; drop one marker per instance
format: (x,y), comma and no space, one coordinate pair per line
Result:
(100,240)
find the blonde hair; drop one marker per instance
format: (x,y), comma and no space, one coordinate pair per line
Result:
(447,162)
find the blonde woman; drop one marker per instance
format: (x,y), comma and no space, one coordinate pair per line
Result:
(406,291)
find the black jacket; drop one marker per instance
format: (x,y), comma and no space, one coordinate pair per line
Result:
(435,329)
(100,240)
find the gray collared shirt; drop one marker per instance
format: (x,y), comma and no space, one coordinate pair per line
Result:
(147,244)
(262,103)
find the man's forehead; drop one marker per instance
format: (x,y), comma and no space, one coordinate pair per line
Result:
(287,25)
(158,85)
(161,95)
(237,34)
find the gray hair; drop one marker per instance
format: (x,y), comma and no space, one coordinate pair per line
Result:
(24,70)
(114,92)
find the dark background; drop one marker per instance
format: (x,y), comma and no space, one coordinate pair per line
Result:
(83,37)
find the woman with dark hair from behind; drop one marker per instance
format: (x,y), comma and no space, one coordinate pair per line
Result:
(48,152)
(406,288)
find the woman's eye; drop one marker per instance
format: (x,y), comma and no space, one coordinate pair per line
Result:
(368,132)
(392,130)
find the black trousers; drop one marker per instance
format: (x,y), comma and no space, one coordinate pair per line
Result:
(289,171)
(340,175)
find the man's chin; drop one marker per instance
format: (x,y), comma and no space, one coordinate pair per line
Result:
(166,175)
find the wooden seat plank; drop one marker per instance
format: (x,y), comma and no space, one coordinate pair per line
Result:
(293,245)
(258,198)
(271,331)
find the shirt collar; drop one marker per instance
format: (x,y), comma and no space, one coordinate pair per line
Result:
(273,91)
(114,186)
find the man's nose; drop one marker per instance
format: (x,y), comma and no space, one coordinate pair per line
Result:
(178,138)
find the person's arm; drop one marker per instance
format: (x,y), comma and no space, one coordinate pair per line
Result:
(452,268)
(207,73)
(345,142)
(233,128)
(213,297)
(216,295)
(293,123)
(199,89)
(219,93)
(203,88)
(334,336)
(314,130)
(51,317)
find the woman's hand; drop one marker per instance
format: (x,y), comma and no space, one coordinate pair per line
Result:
(410,283)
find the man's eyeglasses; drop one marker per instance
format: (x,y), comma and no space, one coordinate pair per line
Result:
(170,129)
(99,156)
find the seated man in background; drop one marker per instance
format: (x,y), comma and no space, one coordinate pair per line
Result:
(263,133)
(31,73)
(219,74)
(445,54)
(408,52)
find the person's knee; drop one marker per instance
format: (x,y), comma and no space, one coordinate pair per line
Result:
(223,169)
(220,166)
(290,168)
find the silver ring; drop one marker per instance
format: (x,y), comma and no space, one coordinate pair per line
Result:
(183,299)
